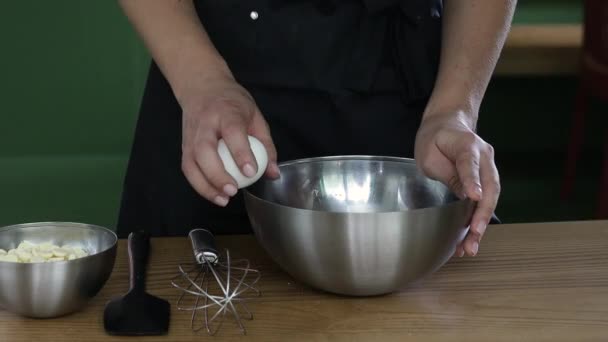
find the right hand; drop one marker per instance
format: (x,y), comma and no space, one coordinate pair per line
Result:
(218,107)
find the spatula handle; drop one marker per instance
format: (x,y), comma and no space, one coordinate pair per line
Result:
(139,249)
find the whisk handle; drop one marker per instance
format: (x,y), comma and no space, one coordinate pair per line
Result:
(203,246)
(139,249)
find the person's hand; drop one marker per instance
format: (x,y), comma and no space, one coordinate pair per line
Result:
(448,150)
(219,108)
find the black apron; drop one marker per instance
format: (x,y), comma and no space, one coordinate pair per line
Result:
(330,77)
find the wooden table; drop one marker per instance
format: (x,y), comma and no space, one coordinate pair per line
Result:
(530,282)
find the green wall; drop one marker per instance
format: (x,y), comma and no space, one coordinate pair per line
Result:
(548,11)
(73,74)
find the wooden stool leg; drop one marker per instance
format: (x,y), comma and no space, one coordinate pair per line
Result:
(603,196)
(576,140)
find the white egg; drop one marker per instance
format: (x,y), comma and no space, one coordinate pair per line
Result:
(261,157)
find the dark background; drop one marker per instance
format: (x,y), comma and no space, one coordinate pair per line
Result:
(72,76)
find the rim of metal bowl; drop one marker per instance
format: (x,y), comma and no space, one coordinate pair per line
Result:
(403,160)
(64,223)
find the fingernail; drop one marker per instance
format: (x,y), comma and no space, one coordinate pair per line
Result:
(477,190)
(480,228)
(475,248)
(461,253)
(221,201)
(248,170)
(230,190)
(275,169)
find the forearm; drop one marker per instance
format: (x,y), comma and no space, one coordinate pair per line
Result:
(176,39)
(474,32)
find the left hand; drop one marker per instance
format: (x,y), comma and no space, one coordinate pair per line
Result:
(448,150)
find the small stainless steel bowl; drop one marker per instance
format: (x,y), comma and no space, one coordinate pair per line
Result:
(357,225)
(52,289)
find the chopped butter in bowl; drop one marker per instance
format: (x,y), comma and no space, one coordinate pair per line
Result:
(28,251)
(50,269)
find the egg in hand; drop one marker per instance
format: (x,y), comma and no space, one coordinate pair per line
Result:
(259,153)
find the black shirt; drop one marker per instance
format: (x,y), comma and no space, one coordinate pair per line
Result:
(329,45)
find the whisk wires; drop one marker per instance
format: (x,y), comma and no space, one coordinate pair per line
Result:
(221,286)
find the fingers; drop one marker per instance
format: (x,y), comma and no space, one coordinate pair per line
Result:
(234,134)
(225,110)
(459,252)
(490,183)
(436,166)
(203,166)
(467,166)
(470,245)
(260,129)
(193,173)
(211,166)
(204,170)
(197,142)
(452,153)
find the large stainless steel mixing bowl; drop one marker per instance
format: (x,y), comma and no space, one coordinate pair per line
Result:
(44,290)
(357,225)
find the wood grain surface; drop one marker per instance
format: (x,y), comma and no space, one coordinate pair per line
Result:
(530,282)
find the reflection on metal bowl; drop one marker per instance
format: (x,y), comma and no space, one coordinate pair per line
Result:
(357,225)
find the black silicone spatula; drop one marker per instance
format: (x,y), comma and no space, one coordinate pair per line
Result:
(137,313)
